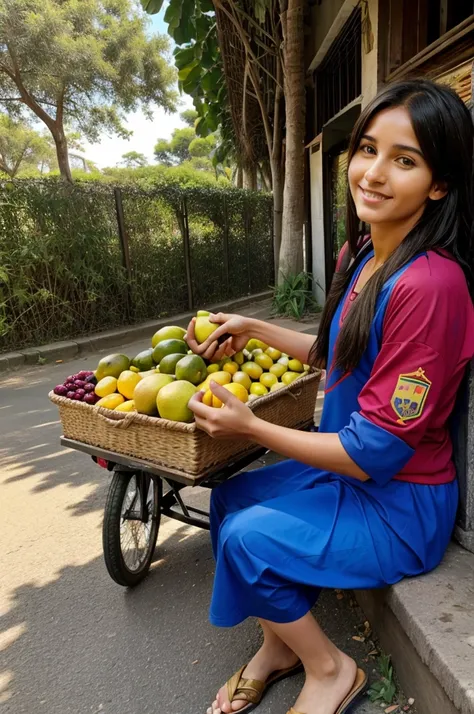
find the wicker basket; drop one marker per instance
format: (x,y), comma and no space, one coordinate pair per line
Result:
(180,446)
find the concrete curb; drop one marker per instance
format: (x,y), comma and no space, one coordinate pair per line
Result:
(113,338)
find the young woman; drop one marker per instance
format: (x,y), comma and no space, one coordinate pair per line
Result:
(372,497)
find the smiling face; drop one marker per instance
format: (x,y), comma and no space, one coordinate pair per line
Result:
(389,178)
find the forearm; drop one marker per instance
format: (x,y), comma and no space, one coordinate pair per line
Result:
(322,451)
(292,342)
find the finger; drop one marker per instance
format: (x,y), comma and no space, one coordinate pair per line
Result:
(210,352)
(197,407)
(218,317)
(221,330)
(223,394)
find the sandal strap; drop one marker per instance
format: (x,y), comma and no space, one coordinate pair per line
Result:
(244,690)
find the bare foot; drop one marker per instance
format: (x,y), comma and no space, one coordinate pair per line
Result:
(324,696)
(267,660)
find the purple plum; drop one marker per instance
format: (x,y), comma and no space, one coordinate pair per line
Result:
(89,398)
(81,392)
(77,396)
(60,390)
(88,387)
(71,395)
(79,383)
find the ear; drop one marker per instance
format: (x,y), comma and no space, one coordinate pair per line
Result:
(438,191)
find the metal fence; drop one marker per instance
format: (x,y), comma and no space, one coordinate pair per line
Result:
(75,259)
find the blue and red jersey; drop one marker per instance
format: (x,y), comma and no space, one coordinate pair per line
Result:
(392,412)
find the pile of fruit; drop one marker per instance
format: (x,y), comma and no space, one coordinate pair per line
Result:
(161,380)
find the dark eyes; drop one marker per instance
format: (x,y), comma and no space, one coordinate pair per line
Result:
(404,161)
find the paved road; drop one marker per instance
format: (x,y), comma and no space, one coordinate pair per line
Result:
(71,640)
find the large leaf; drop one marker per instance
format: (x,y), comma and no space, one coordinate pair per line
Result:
(206,5)
(185,71)
(173,15)
(184,56)
(152,6)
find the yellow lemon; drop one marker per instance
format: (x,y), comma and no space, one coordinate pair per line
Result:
(243,379)
(239,358)
(111,401)
(106,386)
(172,401)
(278,369)
(212,368)
(283,360)
(295,365)
(220,377)
(263,361)
(230,367)
(258,389)
(170,332)
(207,398)
(127,382)
(289,377)
(268,379)
(126,406)
(275,387)
(254,344)
(203,328)
(236,389)
(273,353)
(252,369)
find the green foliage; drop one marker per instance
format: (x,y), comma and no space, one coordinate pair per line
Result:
(21,147)
(202,146)
(384,690)
(189,116)
(293,298)
(61,270)
(132,159)
(89,60)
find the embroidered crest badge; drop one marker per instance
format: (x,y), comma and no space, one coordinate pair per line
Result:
(408,399)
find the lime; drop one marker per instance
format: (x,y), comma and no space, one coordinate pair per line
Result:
(212,368)
(169,362)
(144,360)
(295,365)
(112,366)
(169,347)
(278,369)
(289,377)
(170,332)
(273,353)
(191,368)
(264,361)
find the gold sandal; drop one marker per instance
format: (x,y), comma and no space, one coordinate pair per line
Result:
(358,688)
(252,691)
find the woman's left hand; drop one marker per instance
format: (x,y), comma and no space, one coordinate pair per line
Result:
(233,420)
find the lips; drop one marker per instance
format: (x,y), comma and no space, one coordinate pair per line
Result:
(373,196)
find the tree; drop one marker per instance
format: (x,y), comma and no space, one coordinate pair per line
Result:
(20,146)
(134,159)
(244,67)
(189,116)
(182,147)
(81,64)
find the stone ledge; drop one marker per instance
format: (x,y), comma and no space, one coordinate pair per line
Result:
(427,624)
(114,338)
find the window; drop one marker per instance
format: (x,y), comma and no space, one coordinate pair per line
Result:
(338,78)
(415,24)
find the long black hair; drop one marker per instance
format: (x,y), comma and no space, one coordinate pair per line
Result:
(445,132)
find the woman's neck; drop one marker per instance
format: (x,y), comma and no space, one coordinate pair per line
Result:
(387,237)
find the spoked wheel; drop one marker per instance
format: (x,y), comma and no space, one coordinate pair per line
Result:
(131,523)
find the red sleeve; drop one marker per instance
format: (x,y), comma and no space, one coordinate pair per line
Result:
(423,340)
(341,255)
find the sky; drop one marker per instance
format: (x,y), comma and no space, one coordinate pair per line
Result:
(108,152)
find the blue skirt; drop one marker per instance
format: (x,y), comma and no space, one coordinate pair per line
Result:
(283,532)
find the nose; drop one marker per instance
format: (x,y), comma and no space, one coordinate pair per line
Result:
(376,172)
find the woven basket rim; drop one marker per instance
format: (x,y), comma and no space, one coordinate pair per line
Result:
(158,422)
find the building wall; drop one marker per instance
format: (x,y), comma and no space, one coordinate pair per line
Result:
(370,59)
(317,224)
(322,17)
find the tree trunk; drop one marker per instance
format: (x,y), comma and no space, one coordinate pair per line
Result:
(291,250)
(250,178)
(239,178)
(62,154)
(277,183)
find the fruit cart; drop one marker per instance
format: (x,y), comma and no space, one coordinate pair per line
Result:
(153,459)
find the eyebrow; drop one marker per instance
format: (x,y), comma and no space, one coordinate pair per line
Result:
(400,147)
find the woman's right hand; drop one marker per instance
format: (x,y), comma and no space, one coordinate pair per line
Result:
(236,326)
